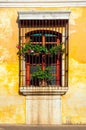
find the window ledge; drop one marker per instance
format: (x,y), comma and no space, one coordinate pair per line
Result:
(43,90)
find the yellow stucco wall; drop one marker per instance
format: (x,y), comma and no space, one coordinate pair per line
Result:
(12,105)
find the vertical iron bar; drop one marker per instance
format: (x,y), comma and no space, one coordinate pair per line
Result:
(67,56)
(23,83)
(65,51)
(19,55)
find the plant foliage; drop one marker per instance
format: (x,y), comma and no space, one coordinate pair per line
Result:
(29,48)
(43,74)
(56,49)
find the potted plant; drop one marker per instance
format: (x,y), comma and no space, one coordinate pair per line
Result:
(43,76)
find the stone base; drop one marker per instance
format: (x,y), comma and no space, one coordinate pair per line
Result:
(43,110)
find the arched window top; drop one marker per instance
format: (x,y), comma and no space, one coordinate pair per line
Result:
(46,33)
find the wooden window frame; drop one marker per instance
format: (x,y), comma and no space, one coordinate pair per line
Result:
(58,60)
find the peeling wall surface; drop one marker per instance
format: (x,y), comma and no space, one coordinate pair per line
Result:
(12,105)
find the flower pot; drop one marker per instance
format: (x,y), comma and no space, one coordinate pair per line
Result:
(42,83)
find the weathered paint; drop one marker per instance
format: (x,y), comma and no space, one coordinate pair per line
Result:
(12,105)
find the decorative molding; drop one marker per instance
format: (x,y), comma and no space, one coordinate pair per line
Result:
(43,3)
(43,15)
(43,91)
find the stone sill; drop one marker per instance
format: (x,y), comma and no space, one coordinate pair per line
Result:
(43,90)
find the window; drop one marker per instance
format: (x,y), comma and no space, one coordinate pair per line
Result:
(48,33)
(47,38)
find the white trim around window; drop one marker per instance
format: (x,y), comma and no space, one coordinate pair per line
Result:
(43,3)
(25,15)
(42,15)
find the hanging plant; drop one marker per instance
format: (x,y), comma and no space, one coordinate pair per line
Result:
(29,48)
(56,49)
(32,49)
